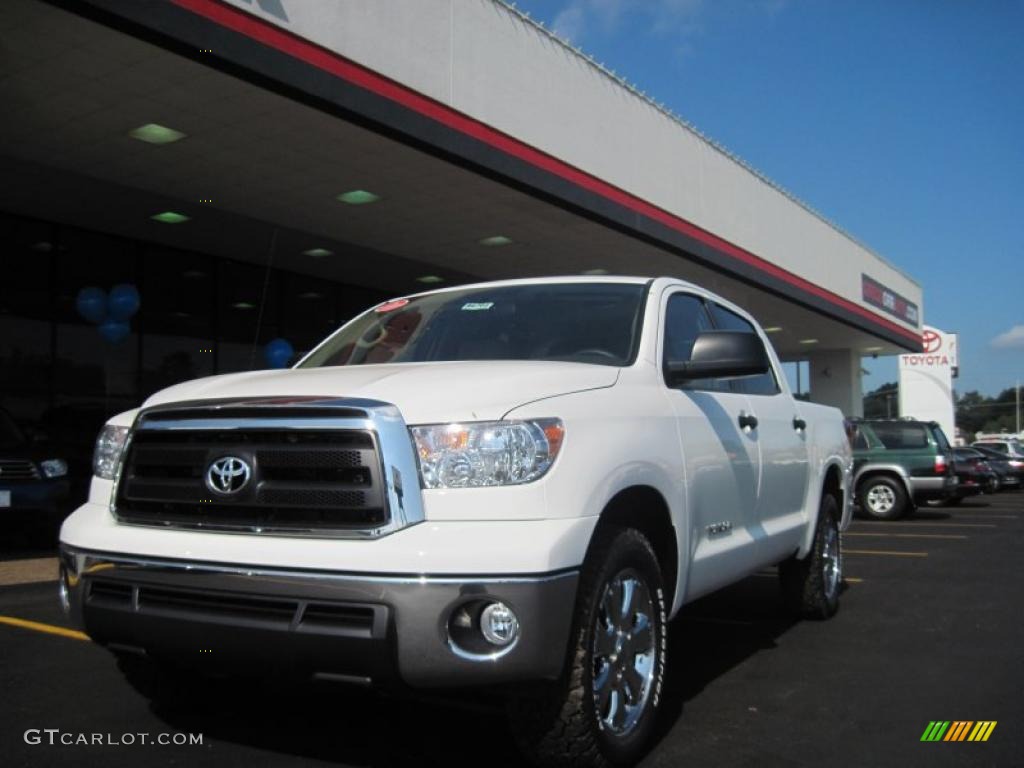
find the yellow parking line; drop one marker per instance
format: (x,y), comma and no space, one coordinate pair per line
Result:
(909,535)
(851,579)
(883,552)
(36,626)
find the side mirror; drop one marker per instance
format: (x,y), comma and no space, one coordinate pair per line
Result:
(720,355)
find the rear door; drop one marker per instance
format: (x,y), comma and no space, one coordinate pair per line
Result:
(721,459)
(781,516)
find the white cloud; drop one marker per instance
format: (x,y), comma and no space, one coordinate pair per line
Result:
(581,18)
(570,22)
(1011,339)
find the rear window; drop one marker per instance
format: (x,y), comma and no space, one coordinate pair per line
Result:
(967,453)
(898,436)
(940,437)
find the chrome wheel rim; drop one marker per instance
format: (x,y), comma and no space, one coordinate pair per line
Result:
(831,561)
(623,652)
(881,499)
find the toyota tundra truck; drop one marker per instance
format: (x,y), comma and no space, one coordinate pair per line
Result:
(514,484)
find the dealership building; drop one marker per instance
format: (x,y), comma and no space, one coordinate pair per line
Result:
(264,169)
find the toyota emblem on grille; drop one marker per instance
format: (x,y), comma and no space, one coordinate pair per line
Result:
(228,475)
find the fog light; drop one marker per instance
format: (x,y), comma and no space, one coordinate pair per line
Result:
(498,624)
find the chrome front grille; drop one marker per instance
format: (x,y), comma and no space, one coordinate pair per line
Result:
(18,469)
(320,471)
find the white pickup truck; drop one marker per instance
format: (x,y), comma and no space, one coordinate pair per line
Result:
(514,482)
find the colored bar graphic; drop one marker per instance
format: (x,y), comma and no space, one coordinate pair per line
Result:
(958,730)
(935,730)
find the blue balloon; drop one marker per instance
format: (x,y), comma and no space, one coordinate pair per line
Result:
(123,302)
(114,330)
(278,352)
(91,304)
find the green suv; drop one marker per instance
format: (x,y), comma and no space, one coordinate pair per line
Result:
(899,463)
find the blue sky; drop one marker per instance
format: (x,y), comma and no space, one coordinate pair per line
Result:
(902,121)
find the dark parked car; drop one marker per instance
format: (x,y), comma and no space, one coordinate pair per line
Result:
(1008,447)
(33,482)
(974,473)
(1010,471)
(899,463)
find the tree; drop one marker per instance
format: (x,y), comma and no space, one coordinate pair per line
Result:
(883,402)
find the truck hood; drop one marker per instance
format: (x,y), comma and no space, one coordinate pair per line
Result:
(424,392)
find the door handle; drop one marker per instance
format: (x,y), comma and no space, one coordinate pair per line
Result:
(747,420)
(799,424)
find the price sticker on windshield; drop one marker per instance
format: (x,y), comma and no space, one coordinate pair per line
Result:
(390,306)
(477,306)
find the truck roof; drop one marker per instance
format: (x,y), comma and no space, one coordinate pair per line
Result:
(629,279)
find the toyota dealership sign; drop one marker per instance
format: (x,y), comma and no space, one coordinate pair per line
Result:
(926,380)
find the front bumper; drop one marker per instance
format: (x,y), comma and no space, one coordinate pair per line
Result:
(363,628)
(44,495)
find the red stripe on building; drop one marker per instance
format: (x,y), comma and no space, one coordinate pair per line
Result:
(328,61)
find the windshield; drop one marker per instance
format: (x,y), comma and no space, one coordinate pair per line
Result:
(10,435)
(576,322)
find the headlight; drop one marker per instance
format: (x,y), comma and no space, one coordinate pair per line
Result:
(487,452)
(54,468)
(108,451)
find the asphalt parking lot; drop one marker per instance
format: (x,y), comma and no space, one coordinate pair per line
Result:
(929,629)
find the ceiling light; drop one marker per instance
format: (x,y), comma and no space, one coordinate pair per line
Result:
(808,341)
(358,197)
(317,253)
(873,349)
(595,272)
(169,217)
(311,295)
(154,133)
(772,328)
(43,247)
(243,305)
(430,279)
(496,240)
(193,274)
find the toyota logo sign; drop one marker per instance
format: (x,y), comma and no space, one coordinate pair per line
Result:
(228,475)
(931,341)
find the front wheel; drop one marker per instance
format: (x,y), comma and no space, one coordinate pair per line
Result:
(601,713)
(811,585)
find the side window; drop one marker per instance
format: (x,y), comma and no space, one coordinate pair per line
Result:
(896,435)
(761,384)
(685,317)
(860,442)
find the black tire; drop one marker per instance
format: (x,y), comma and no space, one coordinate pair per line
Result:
(560,723)
(882,487)
(807,589)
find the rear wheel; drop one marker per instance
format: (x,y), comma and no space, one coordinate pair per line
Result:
(602,711)
(811,585)
(882,497)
